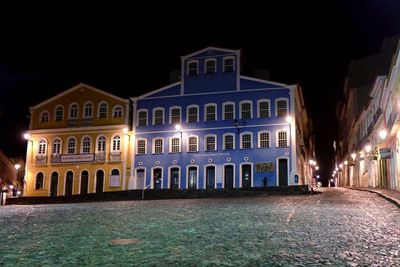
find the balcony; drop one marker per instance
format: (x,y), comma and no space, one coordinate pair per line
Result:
(86,122)
(72,123)
(115,156)
(100,157)
(55,158)
(41,160)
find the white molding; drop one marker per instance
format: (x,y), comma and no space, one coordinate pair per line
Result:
(136,177)
(147,117)
(97,143)
(187,112)
(216,142)
(112,142)
(241,139)
(65,181)
(258,107)
(205,65)
(44,179)
(154,118)
(80,182)
(52,145)
(113,110)
(91,144)
(259,139)
(197,141)
(169,176)
(205,111)
(234,174)
(155,91)
(277,137)
(120,180)
(84,110)
(95,180)
(63,115)
(41,115)
(69,111)
(98,109)
(67,144)
(145,146)
(223,109)
(77,130)
(45,148)
(170,144)
(210,48)
(276,105)
(58,181)
(251,109)
(153,149)
(223,63)
(170,114)
(223,141)
(187,66)
(240,173)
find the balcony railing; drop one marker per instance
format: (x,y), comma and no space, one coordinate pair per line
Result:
(55,158)
(41,160)
(86,122)
(100,156)
(72,123)
(115,156)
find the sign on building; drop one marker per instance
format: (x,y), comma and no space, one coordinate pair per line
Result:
(77,158)
(264,167)
(385,153)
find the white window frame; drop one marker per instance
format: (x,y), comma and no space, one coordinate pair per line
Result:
(223,141)
(147,117)
(67,145)
(97,144)
(113,139)
(170,144)
(70,109)
(42,142)
(216,142)
(205,111)
(205,65)
(98,109)
(91,144)
(119,182)
(259,139)
(145,146)
(241,140)
(55,113)
(41,116)
(113,111)
(197,143)
(52,146)
(223,109)
(251,108)
(187,112)
(277,137)
(169,176)
(223,63)
(154,145)
(180,114)
(276,105)
(258,107)
(187,67)
(154,117)
(84,110)
(205,175)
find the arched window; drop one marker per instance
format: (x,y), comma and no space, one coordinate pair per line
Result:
(88,110)
(229,111)
(211,112)
(264,108)
(175,115)
(142,118)
(193,143)
(141,147)
(281,107)
(192,67)
(39,181)
(101,144)
(228,64)
(42,149)
(210,143)
(229,141)
(103,109)
(193,113)
(71,145)
(73,111)
(210,66)
(115,178)
(44,117)
(117,112)
(158,116)
(246,110)
(56,147)
(158,146)
(59,113)
(86,144)
(264,139)
(116,144)
(246,140)
(282,140)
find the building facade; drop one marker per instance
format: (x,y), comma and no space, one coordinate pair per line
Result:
(78,143)
(216,128)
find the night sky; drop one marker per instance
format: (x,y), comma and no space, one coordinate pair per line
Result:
(128,51)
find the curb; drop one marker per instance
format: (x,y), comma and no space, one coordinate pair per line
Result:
(392,200)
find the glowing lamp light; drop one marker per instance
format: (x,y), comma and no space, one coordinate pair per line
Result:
(317,168)
(27,136)
(383,134)
(18,193)
(340,165)
(17,166)
(125,130)
(310,161)
(368,148)
(318,176)
(178,127)
(353,156)
(11,186)
(288,119)
(346,162)
(336,169)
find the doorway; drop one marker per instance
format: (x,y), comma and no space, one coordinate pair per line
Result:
(283,172)
(228,171)
(99,181)
(157,178)
(84,182)
(54,184)
(69,183)
(174,178)
(246,176)
(210,177)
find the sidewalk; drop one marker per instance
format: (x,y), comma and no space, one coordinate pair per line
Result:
(390,195)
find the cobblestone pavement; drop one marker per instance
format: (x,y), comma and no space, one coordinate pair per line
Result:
(340,227)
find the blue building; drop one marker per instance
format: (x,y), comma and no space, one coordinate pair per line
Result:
(215,129)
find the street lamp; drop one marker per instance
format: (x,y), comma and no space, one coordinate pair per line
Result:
(383,134)
(17,166)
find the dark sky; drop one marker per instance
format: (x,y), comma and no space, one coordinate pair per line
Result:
(128,50)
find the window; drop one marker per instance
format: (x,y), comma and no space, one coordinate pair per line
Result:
(211,112)
(175,115)
(211,143)
(193,114)
(245,110)
(281,107)
(175,145)
(229,111)
(44,117)
(59,114)
(103,110)
(73,111)
(263,109)
(282,139)
(101,144)
(56,147)
(42,149)
(142,118)
(86,143)
(88,110)
(158,146)
(246,141)
(141,146)
(192,68)
(39,181)
(116,144)
(115,178)
(71,145)
(158,116)
(263,139)
(210,66)
(193,144)
(229,64)
(229,141)
(117,112)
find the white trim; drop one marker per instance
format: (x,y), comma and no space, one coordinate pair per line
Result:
(120,178)
(169,176)
(84,110)
(263,81)
(154,118)
(112,142)
(69,111)
(258,107)
(122,111)
(44,177)
(223,174)
(277,169)
(136,177)
(170,114)
(216,142)
(67,144)
(145,146)
(80,182)
(77,130)
(240,108)
(223,63)
(147,117)
(65,181)
(197,140)
(45,148)
(95,180)
(97,143)
(209,60)
(152,176)
(91,143)
(78,86)
(41,115)
(170,144)
(223,141)
(205,111)
(223,109)
(276,105)
(240,173)
(55,113)
(187,175)
(205,175)
(52,145)
(187,112)
(187,66)
(277,138)
(98,109)
(156,91)
(58,181)
(210,48)
(259,139)
(153,147)
(251,139)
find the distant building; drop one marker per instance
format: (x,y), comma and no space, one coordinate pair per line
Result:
(9,173)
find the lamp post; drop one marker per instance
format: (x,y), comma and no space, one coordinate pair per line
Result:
(27,137)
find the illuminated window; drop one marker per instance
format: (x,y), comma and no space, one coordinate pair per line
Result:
(56,147)
(282,139)
(175,145)
(101,144)
(71,145)
(42,149)
(86,143)
(141,146)
(263,139)
(246,141)
(116,144)
(158,147)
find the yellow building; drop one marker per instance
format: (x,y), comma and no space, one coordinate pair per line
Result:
(78,143)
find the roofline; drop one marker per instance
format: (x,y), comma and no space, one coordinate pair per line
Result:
(75,88)
(156,91)
(211,48)
(263,81)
